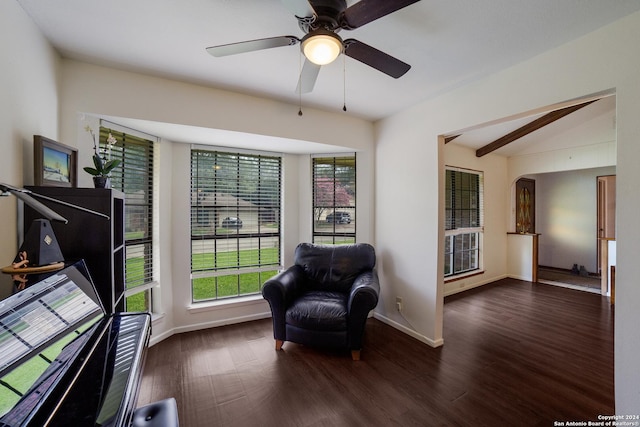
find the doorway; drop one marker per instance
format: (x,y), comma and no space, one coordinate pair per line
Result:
(567,220)
(607,233)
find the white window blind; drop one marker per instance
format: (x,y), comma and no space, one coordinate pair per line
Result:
(464,216)
(334,199)
(134,177)
(235,222)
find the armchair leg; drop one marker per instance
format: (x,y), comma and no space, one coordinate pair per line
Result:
(279,344)
(355,354)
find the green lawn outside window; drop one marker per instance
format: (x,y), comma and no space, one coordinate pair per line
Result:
(207,288)
(233,284)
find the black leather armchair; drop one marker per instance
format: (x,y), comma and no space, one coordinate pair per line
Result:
(323,300)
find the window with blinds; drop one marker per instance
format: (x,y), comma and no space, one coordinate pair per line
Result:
(334,200)
(235,222)
(463,220)
(134,177)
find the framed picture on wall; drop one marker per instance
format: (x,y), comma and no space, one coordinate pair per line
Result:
(55,164)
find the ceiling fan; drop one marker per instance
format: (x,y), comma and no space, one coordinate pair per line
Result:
(321,20)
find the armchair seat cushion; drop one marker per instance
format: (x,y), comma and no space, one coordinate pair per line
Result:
(319,310)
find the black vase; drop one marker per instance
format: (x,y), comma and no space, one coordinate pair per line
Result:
(101,182)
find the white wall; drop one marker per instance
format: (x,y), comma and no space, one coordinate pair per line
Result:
(605,59)
(90,91)
(566,214)
(29,70)
(575,158)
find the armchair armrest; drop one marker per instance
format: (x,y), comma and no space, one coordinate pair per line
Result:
(283,287)
(362,299)
(279,291)
(364,292)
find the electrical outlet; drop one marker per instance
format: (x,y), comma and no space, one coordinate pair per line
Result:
(398,303)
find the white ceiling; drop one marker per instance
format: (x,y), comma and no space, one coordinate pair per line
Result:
(448,44)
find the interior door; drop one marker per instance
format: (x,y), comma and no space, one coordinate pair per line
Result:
(606,212)
(607,207)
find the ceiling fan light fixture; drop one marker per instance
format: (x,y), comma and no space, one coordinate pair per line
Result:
(321,47)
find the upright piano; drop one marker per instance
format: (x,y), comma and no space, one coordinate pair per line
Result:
(64,361)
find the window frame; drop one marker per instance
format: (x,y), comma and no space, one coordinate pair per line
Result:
(468,227)
(265,267)
(148,144)
(334,236)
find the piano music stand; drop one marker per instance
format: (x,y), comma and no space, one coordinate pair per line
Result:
(40,246)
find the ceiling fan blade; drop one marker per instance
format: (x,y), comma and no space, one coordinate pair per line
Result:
(308,77)
(299,8)
(252,45)
(366,11)
(375,58)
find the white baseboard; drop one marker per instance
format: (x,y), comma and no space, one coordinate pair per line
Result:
(408,331)
(213,324)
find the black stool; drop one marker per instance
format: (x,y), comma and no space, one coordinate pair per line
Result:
(163,413)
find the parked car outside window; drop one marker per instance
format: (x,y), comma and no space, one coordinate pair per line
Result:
(339,217)
(232,222)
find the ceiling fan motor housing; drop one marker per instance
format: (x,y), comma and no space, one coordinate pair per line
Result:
(329,14)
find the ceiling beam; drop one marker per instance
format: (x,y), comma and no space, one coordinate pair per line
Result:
(448,139)
(530,127)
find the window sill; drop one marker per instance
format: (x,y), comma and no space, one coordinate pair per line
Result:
(156,317)
(464,276)
(198,307)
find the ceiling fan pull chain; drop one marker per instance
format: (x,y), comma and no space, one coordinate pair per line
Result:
(300,85)
(344,83)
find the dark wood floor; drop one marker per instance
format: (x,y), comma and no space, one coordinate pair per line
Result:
(515,354)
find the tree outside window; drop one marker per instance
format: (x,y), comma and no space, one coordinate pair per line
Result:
(334,200)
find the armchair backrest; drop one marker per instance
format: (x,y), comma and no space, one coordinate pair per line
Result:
(334,268)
